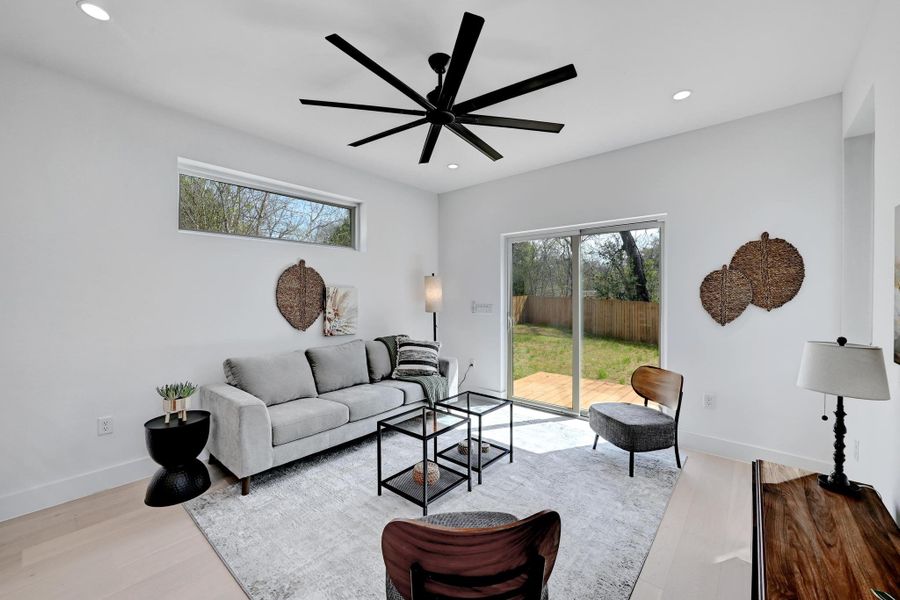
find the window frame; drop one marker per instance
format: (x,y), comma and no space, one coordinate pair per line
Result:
(193,168)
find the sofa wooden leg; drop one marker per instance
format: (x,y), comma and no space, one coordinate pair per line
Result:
(245,485)
(596,438)
(631,464)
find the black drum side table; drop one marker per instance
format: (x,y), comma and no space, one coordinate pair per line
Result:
(175,446)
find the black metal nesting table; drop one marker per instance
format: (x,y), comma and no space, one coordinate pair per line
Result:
(476,405)
(427,425)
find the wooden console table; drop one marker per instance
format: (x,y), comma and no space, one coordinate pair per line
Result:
(809,543)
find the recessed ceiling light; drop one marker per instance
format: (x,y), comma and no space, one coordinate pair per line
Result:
(682,95)
(92,10)
(453,166)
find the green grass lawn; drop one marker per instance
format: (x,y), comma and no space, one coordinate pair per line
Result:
(540,348)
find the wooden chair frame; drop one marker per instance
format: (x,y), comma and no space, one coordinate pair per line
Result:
(531,589)
(427,561)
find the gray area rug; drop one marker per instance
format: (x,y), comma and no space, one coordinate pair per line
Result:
(312,529)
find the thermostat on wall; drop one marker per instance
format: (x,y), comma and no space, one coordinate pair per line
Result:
(482,308)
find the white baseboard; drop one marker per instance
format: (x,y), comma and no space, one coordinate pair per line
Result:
(484,390)
(71,488)
(747,453)
(722,447)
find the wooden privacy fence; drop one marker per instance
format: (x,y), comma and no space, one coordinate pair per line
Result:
(518,307)
(620,319)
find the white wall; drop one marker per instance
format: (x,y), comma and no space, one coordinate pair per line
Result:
(103,299)
(859,190)
(719,187)
(877,72)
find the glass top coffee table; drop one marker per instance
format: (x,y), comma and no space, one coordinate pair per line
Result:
(427,425)
(476,405)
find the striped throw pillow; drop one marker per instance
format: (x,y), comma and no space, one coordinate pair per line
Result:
(416,357)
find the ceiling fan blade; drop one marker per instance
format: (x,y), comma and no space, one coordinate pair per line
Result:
(516,89)
(476,141)
(378,70)
(469,30)
(385,109)
(511,123)
(384,134)
(430,141)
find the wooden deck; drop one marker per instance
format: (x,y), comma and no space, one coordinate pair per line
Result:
(556,389)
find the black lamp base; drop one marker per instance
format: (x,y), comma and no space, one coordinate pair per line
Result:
(839,485)
(838,482)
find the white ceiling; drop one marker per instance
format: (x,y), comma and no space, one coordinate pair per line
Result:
(244,63)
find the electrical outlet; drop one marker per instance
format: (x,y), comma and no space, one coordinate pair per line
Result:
(472,362)
(709,401)
(104,425)
(856,450)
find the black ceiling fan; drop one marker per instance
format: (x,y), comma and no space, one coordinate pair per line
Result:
(440,108)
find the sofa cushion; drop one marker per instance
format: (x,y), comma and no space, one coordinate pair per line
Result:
(412,391)
(379,360)
(367,400)
(273,378)
(416,357)
(338,367)
(305,417)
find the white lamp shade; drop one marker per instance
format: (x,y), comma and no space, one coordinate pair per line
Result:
(434,294)
(851,371)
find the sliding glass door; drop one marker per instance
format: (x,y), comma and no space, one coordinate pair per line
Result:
(584,312)
(541,310)
(620,284)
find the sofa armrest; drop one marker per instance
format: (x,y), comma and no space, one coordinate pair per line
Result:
(449,368)
(240,429)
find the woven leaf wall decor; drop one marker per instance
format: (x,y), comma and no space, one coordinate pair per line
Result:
(300,295)
(725,294)
(774,268)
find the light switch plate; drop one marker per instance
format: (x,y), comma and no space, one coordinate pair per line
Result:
(482,308)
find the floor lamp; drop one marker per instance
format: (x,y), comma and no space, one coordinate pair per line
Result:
(434,298)
(843,369)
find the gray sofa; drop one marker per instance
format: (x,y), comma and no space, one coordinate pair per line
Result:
(278,408)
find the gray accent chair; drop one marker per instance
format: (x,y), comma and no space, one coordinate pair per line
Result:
(278,408)
(636,428)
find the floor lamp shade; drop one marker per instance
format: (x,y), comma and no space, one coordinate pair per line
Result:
(434,295)
(848,370)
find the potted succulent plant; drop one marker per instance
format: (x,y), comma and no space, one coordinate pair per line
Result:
(176,397)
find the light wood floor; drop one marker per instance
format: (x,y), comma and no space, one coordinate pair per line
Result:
(110,545)
(556,389)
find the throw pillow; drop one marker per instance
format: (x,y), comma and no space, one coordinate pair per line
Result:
(416,357)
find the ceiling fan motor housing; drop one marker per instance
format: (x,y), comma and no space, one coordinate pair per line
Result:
(438,62)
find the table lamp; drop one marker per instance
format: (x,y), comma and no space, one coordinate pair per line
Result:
(434,297)
(843,370)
